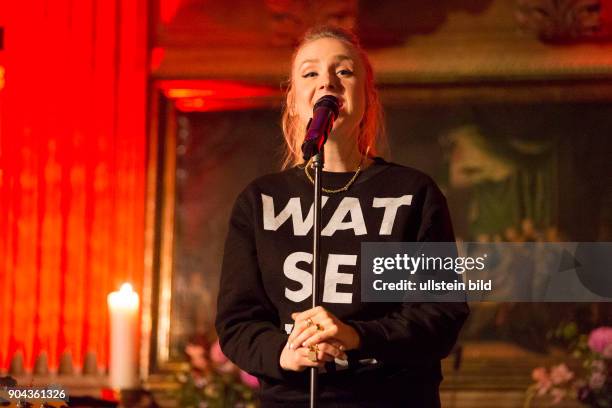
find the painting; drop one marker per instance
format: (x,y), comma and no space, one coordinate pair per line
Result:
(509,117)
(511,172)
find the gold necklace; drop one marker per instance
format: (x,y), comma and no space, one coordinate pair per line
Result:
(328,191)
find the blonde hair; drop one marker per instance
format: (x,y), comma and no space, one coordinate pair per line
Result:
(371,127)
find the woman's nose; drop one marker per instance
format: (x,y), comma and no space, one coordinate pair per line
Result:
(328,81)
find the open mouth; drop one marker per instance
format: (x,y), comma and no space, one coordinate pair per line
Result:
(340,103)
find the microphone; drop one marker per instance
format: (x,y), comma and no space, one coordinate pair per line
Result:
(324,114)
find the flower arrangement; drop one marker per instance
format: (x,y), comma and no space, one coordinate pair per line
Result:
(213,381)
(591,383)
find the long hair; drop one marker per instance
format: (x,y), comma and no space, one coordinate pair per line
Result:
(371,129)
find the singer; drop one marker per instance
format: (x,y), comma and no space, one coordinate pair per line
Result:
(368,354)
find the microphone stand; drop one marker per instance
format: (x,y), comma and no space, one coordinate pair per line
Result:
(320,125)
(317,162)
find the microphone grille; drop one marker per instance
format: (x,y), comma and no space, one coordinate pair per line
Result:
(330,102)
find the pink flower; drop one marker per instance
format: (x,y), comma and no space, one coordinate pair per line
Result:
(249,380)
(600,339)
(542,379)
(197,356)
(216,355)
(539,374)
(560,374)
(194,350)
(597,380)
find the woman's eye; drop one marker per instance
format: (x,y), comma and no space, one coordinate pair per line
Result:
(345,72)
(309,74)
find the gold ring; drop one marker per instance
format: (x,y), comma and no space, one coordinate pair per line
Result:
(313,350)
(309,322)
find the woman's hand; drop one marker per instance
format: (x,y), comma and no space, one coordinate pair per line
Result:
(316,325)
(299,358)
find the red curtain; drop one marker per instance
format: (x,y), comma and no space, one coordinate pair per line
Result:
(72,172)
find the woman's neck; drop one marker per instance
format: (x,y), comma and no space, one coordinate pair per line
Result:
(339,160)
(342,155)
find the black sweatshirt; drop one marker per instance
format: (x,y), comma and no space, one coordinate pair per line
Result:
(266,277)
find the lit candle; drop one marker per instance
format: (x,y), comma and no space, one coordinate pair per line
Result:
(123,310)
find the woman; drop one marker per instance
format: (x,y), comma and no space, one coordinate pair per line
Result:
(369,354)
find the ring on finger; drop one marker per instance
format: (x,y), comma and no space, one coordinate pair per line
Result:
(313,350)
(309,322)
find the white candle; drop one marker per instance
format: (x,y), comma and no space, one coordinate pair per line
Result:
(123,311)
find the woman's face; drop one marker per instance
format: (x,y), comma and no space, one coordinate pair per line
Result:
(330,67)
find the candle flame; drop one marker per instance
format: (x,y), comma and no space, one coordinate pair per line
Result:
(124,298)
(126,288)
